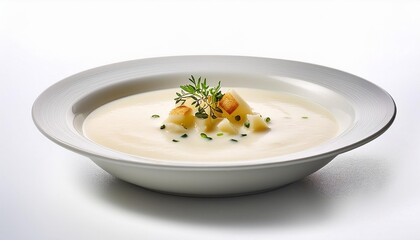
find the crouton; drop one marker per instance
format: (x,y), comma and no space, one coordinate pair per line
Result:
(234,107)
(181,115)
(228,103)
(180,110)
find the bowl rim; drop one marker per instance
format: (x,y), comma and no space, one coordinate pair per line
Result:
(43,119)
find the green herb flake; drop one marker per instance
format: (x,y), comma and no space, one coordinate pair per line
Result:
(155,116)
(247,124)
(203,135)
(233,140)
(267,119)
(184,135)
(238,118)
(244,135)
(174,140)
(305,117)
(163,126)
(220,134)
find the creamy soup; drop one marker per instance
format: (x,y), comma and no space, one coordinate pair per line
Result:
(127,125)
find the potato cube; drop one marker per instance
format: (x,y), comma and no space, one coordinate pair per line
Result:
(257,123)
(226,126)
(174,128)
(207,125)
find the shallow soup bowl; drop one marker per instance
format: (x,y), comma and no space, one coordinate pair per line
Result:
(362,110)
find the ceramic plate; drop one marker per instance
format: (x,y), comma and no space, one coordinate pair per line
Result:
(363,110)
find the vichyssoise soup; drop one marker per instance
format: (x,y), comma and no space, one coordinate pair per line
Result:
(210,124)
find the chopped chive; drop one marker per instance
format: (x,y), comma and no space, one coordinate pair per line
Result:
(155,116)
(220,134)
(184,135)
(163,126)
(305,117)
(203,135)
(244,135)
(247,124)
(267,119)
(233,140)
(238,118)
(174,140)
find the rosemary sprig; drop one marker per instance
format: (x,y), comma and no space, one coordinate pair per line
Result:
(204,97)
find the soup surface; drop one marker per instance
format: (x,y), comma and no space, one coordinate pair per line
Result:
(127,125)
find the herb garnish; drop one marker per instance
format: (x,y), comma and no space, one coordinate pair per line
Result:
(184,135)
(155,116)
(233,140)
(204,97)
(220,134)
(305,117)
(244,135)
(267,119)
(163,126)
(238,118)
(203,135)
(247,124)
(174,140)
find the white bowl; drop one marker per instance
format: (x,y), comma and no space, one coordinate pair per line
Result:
(363,110)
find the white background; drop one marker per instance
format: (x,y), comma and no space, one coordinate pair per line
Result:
(47,192)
